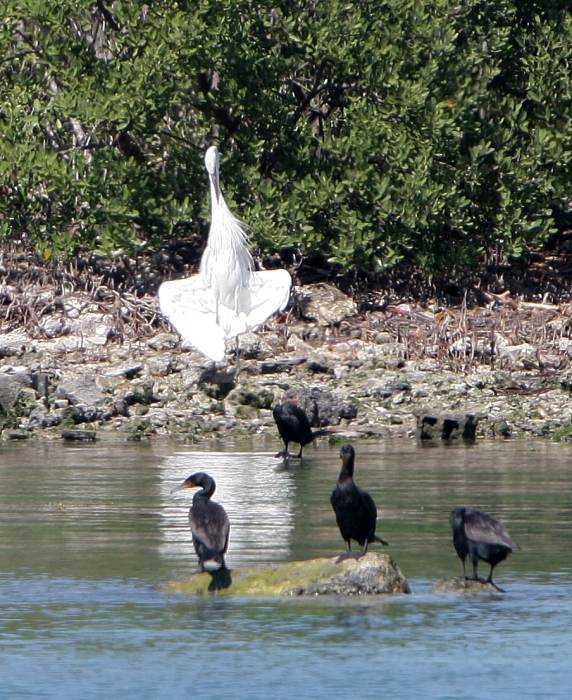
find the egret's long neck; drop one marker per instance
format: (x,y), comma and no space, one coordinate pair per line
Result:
(216,193)
(226,262)
(227,236)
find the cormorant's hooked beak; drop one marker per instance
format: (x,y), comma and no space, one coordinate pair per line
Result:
(187,484)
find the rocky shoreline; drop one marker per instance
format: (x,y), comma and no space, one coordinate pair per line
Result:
(383,371)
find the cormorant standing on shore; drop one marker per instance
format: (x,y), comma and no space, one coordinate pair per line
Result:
(293,424)
(480,537)
(209,522)
(355,509)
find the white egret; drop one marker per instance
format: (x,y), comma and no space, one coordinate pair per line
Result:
(227,297)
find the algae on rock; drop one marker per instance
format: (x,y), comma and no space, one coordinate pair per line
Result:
(372,574)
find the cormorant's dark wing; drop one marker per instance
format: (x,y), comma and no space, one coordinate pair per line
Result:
(292,422)
(227,531)
(302,418)
(210,526)
(482,527)
(335,499)
(369,506)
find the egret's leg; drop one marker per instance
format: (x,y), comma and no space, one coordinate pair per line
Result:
(237,352)
(216,300)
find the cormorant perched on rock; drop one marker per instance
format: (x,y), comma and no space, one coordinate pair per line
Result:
(355,509)
(210,527)
(480,537)
(293,424)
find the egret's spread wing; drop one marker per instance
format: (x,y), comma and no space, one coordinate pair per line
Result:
(176,293)
(189,305)
(482,527)
(231,323)
(267,292)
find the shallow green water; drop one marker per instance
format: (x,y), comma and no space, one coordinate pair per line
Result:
(88,533)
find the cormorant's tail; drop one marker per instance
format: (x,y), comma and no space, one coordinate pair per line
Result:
(213,563)
(220,579)
(211,560)
(378,539)
(321,432)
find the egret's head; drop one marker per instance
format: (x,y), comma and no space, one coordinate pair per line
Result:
(211,160)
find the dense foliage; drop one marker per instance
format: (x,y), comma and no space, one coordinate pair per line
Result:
(366,132)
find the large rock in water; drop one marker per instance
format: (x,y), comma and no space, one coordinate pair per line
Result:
(372,574)
(462,585)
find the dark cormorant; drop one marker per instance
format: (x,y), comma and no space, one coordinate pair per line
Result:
(209,523)
(293,424)
(480,537)
(355,509)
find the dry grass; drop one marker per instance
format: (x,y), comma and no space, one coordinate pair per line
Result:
(460,336)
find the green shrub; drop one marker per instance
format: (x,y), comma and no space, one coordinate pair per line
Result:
(367,132)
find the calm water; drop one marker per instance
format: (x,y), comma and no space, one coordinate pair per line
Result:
(87,535)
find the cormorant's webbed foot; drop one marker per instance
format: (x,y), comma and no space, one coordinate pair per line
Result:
(220,579)
(494,585)
(349,555)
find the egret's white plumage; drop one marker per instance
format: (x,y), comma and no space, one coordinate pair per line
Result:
(227,297)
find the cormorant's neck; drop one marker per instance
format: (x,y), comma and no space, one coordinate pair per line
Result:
(206,492)
(347,470)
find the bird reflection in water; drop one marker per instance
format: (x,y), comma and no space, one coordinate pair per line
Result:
(258,498)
